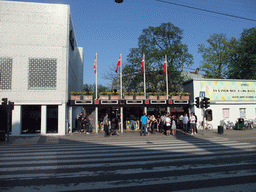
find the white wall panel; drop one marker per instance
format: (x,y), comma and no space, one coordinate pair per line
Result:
(38,30)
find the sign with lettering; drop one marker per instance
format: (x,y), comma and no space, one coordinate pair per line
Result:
(229,90)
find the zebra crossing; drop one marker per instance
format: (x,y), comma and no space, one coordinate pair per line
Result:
(163,165)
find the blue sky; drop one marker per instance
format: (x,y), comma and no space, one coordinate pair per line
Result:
(110,28)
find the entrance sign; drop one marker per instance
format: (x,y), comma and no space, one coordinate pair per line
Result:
(83,102)
(229,90)
(202,94)
(134,101)
(109,101)
(158,101)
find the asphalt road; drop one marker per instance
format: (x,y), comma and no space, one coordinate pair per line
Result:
(80,162)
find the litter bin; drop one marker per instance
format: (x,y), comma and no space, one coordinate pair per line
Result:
(220,129)
(240,124)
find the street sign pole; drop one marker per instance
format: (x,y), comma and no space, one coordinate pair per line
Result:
(202,95)
(8,122)
(203,119)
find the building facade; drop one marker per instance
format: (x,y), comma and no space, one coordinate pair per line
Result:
(40,64)
(230,99)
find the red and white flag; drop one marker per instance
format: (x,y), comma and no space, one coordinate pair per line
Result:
(95,64)
(118,63)
(142,64)
(165,64)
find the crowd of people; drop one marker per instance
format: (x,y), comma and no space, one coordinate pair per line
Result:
(83,123)
(168,124)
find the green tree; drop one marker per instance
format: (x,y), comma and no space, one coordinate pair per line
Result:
(217,55)
(92,88)
(155,43)
(243,65)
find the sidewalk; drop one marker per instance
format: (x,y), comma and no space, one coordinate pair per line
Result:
(75,138)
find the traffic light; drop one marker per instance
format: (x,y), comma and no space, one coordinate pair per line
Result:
(206,102)
(11,104)
(197,102)
(208,114)
(4,102)
(202,104)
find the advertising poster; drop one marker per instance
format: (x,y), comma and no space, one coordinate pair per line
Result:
(229,90)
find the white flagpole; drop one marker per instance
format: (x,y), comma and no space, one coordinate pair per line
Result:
(145,108)
(144,76)
(121,88)
(96,77)
(96,86)
(166,77)
(121,95)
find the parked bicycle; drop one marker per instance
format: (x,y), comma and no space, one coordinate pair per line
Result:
(207,126)
(228,125)
(249,124)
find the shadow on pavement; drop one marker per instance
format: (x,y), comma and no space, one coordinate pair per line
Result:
(124,165)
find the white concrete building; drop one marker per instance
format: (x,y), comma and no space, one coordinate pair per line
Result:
(230,99)
(40,64)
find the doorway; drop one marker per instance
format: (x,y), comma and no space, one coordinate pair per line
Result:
(31,119)
(52,119)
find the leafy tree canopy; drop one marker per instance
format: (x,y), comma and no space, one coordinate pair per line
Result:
(92,88)
(243,65)
(155,43)
(217,55)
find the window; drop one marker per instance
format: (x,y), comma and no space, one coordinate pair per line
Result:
(242,113)
(5,73)
(225,112)
(42,74)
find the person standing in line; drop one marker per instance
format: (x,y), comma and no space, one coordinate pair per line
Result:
(106,125)
(164,123)
(168,125)
(133,124)
(144,120)
(196,122)
(87,124)
(173,125)
(181,121)
(80,122)
(148,125)
(185,122)
(192,121)
(154,124)
(159,123)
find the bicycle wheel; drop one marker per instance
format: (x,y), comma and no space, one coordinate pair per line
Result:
(200,127)
(210,127)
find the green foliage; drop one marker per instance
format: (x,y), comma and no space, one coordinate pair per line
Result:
(75,93)
(109,93)
(157,93)
(243,65)
(90,89)
(155,43)
(217,56)
(179,94)
(88,93)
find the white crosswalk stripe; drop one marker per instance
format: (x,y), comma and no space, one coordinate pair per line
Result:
(122,165)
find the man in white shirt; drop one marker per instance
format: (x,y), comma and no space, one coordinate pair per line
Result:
(192,121)
(185,122)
